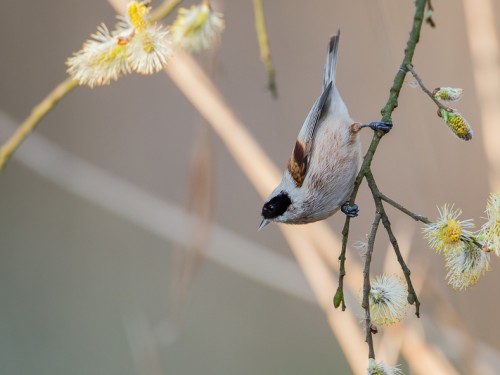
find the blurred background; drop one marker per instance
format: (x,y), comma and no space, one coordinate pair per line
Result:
(103,269)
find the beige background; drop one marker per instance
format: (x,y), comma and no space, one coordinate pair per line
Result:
(85,290)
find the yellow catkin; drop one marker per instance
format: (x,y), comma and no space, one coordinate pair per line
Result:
(450,232)
(110,55)
(458,125)
(136,13)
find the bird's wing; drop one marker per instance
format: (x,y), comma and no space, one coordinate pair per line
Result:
(298,163)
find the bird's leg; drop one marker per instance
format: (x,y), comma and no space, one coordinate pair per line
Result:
(378,126)
(350,210)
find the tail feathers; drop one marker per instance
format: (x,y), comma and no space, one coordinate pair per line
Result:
(331,60)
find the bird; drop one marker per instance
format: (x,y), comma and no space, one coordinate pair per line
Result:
(325,160)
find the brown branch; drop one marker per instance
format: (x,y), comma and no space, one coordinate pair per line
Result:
(412,295)
(339,295)
(367,287)
(403,209)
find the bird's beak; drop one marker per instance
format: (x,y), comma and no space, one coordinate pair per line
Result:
(263,223)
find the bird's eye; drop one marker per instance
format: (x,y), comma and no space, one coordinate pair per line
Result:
(276,206)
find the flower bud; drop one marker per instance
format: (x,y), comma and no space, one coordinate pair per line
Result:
(197,28)
(449,94)
(457,124)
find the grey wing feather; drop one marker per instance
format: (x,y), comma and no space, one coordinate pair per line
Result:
(313,119)
(298,164)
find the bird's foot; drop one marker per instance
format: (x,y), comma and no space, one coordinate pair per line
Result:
(350,210)
(380,126)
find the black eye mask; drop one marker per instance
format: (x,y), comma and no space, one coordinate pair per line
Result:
(276,206)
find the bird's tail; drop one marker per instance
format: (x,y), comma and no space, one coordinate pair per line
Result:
(331,60)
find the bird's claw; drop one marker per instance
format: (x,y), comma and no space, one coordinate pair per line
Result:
(380,126)
(350,210)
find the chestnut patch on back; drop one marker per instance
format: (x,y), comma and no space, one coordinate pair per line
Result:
(297,165)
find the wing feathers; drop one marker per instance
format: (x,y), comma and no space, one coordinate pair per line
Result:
(298,163)
(312,120)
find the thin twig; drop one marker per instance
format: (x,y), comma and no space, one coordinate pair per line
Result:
(412,295)
(423,219)
(403,209)
(426,90)
(38,112)
(339,295)
(265,52)
(392,102)
(367,287)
